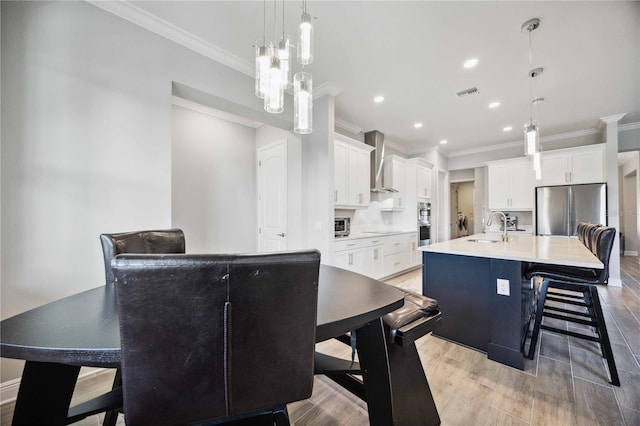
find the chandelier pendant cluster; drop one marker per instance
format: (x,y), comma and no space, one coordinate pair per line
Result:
(532,127)
(273,70)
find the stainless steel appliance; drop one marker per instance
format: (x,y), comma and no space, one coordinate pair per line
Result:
(342,226)
(424,223)
(560,208)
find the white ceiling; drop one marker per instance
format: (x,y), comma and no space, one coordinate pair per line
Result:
(412,53)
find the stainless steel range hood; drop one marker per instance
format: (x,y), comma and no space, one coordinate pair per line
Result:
(375,139)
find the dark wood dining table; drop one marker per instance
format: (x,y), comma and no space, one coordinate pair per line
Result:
(58,338)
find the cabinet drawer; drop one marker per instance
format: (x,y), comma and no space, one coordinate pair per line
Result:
(395,244)
(394,263)
(347,245)
(359,243)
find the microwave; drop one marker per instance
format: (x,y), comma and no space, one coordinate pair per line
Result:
(342,226)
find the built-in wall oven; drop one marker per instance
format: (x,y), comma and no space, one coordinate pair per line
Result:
(424,223)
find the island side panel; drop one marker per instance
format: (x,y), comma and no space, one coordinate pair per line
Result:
(461,284)
(507,319)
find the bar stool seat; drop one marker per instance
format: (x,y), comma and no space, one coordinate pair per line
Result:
(577,288)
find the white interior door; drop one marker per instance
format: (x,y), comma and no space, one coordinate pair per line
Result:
(272,197)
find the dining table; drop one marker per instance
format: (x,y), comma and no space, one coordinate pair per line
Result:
(56,339)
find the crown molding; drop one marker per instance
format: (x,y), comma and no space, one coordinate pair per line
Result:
(203,109)
(543,139)
(349,127)
(612,118)
(148,21)
(629,126)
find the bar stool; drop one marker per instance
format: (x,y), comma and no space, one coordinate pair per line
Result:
(581,282)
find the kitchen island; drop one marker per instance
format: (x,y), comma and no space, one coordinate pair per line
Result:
(479,283)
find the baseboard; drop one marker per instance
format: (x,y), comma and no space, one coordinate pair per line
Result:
(614,282)
(630,253)
(9,389)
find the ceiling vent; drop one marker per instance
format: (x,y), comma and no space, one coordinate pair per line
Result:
(467,92)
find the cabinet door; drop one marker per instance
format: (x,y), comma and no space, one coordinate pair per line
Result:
(372,262)
(499,186)
(359,164)
(522,184)
(553,169)
(341,173)
(394,177)
(423,178)
(351,260)
(587,167)
(427,183)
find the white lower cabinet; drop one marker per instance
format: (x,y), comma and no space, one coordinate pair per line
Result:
(379,256)
(363,256)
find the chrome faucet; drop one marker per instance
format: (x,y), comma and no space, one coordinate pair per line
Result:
(505,237)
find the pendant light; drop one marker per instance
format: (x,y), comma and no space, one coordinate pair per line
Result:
(305,37)
(532,128)
(262,59)
(274,99)
(273,70)
(283,55)
(303,103)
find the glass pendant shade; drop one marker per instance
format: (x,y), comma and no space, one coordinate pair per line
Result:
(537,164)
(284,55)
(274,100)
(305,40)
(262,69)
(531,138)
(303,103)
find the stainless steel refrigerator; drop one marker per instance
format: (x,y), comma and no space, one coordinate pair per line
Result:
(559,209)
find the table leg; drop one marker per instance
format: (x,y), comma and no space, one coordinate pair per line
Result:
(45,393)
(374,362)
(395,385)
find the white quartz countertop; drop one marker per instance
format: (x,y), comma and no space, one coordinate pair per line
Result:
(541,249)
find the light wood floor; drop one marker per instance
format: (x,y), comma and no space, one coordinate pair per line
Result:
(566,384)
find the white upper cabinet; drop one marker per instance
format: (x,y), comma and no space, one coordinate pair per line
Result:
(511,184)
(585,164)
(423,178)
(352,162)
(394,177)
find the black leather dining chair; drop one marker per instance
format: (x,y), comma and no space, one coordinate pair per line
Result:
(150,242)
(147,241)
(578,292)
(216,337)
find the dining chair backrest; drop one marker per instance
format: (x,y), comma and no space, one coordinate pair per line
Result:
(589,230)
(150,242)
(215,336)
(602,245)
(580,228)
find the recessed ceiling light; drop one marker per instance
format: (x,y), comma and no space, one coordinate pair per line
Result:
(418,125)
(378,99)
(442,142)
(470,63)
(494,104)
(507,129)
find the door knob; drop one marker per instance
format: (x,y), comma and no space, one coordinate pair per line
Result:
(281,234)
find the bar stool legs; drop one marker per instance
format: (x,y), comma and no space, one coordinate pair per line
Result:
(594,317)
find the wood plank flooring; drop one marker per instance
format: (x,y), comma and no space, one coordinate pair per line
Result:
(566,383)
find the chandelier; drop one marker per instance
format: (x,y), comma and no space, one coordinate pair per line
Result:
(532,127)
(273,70)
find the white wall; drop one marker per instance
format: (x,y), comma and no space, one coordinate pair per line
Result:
(86,141)
(213,183)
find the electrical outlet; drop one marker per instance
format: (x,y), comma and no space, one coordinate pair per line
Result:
(503,287)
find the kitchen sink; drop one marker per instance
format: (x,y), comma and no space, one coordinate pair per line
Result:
(482,240)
